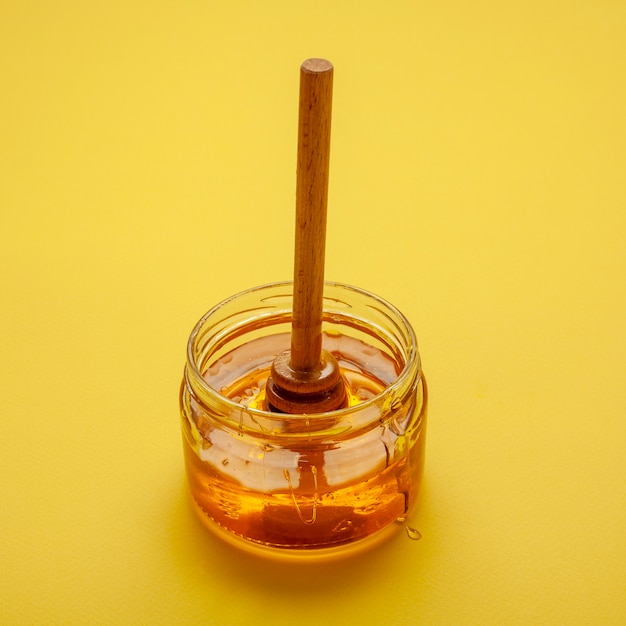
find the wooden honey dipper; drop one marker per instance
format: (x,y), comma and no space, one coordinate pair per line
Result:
(306,379)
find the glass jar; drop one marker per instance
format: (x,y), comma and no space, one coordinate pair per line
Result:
(303,486)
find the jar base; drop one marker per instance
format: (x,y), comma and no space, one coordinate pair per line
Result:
(295,555)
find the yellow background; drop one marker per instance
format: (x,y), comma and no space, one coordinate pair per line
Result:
(478,182)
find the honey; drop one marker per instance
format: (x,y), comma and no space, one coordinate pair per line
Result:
(303,485)
(241,375)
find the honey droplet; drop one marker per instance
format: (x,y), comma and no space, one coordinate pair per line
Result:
(413,533)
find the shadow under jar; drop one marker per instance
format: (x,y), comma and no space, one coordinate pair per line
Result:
(303,487)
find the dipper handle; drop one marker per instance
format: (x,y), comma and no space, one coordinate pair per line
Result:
(306,379)
(316,84)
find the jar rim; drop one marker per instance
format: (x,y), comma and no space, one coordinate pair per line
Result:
(392,391)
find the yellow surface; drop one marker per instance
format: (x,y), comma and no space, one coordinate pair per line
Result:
(478,181)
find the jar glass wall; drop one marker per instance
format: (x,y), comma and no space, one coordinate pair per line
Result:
(303,486)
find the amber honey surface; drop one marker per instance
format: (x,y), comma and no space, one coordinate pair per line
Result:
(297,493)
